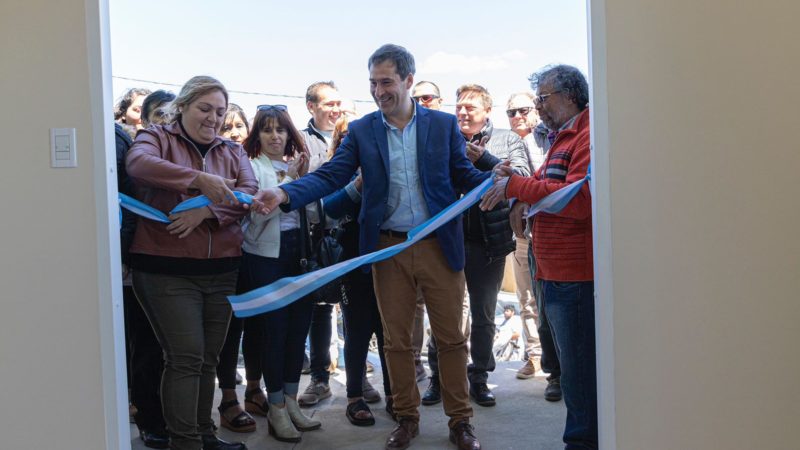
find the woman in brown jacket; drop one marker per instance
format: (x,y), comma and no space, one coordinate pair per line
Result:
(183,271)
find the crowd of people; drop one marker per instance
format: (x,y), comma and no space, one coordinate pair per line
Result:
(366,181)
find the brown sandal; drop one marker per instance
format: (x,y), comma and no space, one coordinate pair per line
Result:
(352,414)
(252,406)
(243,423)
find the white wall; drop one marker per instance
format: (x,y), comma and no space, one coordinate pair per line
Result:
(57,351)
(698,216)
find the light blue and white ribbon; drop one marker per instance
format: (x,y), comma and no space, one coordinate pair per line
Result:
(559,199)
(287,290)
(148,212)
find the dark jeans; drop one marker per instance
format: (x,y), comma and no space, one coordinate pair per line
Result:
(484,277)
(145,364)
(361,319)
(549,361)
(570,309)
(189,315)
(285,329)
(320,341)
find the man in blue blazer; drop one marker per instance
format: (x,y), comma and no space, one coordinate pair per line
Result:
(413,165)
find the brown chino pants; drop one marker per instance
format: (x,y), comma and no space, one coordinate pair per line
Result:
(397,279)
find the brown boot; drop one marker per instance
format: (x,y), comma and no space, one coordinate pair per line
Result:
(529,369)
(403,433)
(463,435)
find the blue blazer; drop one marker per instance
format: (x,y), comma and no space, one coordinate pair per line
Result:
(444,169)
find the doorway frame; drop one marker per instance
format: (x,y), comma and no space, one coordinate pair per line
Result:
(111,314)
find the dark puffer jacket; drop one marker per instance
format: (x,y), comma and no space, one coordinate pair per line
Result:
(493,227)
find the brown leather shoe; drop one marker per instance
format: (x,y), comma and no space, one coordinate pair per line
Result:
(402,434)
(463,435)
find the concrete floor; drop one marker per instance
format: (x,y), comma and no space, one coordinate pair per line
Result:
(522,420)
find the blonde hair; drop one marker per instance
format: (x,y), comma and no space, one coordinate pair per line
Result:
(339,132)
(477,90)
(193,89)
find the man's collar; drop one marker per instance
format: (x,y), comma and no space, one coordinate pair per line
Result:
(570,122)
(392,127)
(487,130)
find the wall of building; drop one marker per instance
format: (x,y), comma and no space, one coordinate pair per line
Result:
(56,325)
(697,222)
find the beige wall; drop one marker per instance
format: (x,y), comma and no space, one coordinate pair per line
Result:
(52,357)
(704,251)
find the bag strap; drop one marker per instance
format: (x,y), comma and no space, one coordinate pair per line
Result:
(305,249)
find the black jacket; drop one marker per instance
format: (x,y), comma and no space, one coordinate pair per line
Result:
(493,227)
(124,186)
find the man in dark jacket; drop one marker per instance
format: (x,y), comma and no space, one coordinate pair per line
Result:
(487,240)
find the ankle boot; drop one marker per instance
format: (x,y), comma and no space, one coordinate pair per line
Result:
(280,425)
(300,420)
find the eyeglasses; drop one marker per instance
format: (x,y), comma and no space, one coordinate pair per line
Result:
(275,107)
(522,111)
(425,98)
(542,98)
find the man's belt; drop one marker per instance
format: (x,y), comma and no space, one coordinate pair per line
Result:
(403,234)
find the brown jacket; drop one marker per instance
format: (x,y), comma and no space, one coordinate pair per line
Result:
(162,163)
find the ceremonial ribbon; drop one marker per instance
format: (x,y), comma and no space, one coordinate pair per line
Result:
(148,212)
(559,199)
(290,289)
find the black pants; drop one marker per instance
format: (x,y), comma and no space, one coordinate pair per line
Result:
(145,364)
(252,344)
(361,320)
(320,341)
(484,277)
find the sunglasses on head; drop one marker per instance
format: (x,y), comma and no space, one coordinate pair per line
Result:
(522,111)
(275,107)
(425,98)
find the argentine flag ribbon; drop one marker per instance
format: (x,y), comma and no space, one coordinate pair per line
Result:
(290,289)
(559,199)
(148,212)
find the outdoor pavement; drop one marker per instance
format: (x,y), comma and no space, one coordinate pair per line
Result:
(522,419)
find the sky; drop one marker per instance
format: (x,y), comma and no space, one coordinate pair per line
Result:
(279,48)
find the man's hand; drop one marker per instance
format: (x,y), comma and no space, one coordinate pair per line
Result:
(475,151)
(359,183)
(517,218)
(185,222)
(497,193)
(268,199)
(216,188)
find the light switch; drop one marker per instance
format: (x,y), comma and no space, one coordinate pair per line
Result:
(62,148)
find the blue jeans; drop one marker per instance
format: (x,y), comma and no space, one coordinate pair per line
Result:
(570,310)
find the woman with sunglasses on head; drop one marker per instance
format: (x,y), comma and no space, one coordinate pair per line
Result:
(360,308)
(183,271)
(272,251)
(231,415)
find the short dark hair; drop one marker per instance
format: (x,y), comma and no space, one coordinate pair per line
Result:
(510,307)
(252,143)
(153,101)
(566,79)
(402,59)
(312,93)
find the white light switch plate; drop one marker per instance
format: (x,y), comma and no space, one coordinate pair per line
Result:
(63,152)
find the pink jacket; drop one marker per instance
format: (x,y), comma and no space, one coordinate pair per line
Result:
(162,163)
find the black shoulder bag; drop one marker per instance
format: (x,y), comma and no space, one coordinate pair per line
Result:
(322,252)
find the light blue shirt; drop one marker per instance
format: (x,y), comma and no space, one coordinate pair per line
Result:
(406,207)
